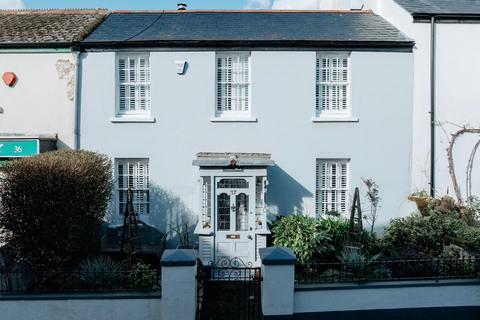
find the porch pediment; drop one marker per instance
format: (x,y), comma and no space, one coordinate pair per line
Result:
(233,159)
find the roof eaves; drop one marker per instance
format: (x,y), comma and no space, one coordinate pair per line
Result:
(407,44)
(37,45)
(457,17)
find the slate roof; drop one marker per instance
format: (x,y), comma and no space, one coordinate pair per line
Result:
(245,27)
(439,7)
(47,28)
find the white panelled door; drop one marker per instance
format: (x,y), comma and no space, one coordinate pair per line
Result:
(235,218)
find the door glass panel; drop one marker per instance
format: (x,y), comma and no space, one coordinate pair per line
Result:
(232,184)
(242,212)
(223,214)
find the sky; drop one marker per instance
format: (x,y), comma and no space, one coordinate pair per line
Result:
(163,4)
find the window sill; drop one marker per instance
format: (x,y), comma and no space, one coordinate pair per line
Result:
(233,119)
(335,119)
(132,119)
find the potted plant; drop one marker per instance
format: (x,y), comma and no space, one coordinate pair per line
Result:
(421,199)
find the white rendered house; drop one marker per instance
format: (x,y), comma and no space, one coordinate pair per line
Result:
(38,77)
(225,120)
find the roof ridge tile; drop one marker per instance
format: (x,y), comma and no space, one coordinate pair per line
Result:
(54,11)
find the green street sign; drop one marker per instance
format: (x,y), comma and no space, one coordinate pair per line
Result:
(18,148)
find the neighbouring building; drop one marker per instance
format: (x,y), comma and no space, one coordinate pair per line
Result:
(446,65)
(38,78)
(224,120)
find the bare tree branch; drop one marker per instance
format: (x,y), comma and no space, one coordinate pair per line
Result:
(451,165)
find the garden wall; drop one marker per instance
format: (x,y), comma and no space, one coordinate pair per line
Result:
(412,300)
(82,307)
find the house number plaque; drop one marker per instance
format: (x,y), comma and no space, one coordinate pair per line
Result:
(18,148)
(233,236)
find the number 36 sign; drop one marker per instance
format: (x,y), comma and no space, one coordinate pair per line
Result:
(18,148)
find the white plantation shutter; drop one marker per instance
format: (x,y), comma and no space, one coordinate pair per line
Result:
(332,73)
(134,84)
(332,186)
(233,83)
(133,174)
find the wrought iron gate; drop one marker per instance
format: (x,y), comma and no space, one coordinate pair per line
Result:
(229,290)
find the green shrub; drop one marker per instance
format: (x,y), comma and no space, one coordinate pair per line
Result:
(371,244)
(473,210)
(450,252)
(471,236)
(142,277)
(450,262)
(357,264)
(336,229)
(303,235)
(417,236)
(102,272)
(52,206)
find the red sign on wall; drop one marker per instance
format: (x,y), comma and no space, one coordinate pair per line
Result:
(9,78)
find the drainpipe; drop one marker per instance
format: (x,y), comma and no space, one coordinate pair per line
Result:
(76,128)
(432,105)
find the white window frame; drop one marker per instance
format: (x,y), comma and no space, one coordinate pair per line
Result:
(137,112)
(233,115)
(146,178)
(339,113)
(333,189)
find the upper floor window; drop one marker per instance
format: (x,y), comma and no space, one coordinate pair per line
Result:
(233,84)
(332,84)
(133,77)
(133,174)
(332,188)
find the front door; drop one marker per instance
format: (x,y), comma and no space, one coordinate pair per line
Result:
(234,218)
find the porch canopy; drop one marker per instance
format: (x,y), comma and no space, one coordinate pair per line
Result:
(233,159)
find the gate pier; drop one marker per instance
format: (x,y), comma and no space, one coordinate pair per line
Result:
(179,294)
(278,269)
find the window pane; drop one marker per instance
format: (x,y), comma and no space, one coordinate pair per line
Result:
(241,206)
(332,84)
(332,186)
(133,174)
(223,215)
(232,183)
(206,201)
(133,84)
(233,83)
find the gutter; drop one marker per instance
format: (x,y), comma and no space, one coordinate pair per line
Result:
(35,50)
(433,57)
(406,45)
(446,17)
(76,125)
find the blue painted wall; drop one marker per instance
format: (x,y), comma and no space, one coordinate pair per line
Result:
(283,100)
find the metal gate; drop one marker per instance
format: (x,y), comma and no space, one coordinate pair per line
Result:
(229,290)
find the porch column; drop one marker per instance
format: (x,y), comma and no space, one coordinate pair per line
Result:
(179,290)
(278,271)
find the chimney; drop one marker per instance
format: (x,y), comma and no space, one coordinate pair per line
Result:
(182,6)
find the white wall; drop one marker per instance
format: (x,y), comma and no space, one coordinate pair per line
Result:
(458,100)
(377,298)
(283,100)
(42,100)
(81,309)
